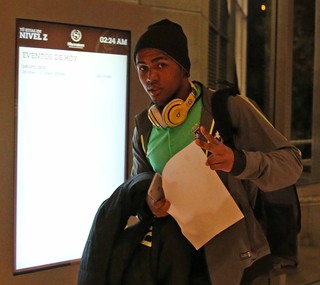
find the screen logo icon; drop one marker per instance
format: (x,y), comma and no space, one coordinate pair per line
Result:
(76,35)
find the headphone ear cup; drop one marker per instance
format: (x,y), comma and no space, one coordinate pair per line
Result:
(174,113)
(155,117)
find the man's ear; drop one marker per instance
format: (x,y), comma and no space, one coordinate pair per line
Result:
(185,73)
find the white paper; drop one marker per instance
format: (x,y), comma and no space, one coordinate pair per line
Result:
(200,203)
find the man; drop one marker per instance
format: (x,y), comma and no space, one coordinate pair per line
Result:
(261,156)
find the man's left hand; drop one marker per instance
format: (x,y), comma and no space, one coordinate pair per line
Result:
(221,157)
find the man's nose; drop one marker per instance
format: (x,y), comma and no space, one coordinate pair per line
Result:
(151,75)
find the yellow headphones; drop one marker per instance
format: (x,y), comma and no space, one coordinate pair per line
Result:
(174,113)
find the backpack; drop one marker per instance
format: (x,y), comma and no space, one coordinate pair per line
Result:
(279,211)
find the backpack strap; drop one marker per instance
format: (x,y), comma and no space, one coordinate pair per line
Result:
(220,113)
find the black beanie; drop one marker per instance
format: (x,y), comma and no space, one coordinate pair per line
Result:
(168,37)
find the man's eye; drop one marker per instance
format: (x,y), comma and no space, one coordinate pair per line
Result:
(161,65)
(142,68)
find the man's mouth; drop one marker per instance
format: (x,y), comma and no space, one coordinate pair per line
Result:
(154,91)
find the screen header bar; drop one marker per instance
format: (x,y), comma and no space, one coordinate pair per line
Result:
(72,37)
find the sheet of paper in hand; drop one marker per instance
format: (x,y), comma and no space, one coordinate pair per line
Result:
(200,203)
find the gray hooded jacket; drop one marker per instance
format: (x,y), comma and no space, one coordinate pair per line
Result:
(263,159)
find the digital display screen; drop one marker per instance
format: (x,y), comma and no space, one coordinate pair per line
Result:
(71,135)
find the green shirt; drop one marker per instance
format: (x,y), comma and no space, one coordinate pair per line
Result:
(166,142)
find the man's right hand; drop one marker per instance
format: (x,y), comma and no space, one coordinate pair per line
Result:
(159,208)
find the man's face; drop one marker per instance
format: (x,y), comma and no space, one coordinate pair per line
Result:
(162,78)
